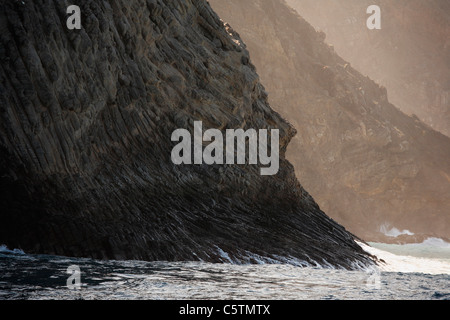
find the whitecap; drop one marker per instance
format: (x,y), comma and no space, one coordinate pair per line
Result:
(400,258)
(4,249)
(394,232)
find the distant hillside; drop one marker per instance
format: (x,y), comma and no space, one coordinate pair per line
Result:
(410,55)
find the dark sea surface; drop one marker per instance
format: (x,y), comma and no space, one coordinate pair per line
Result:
(420,271)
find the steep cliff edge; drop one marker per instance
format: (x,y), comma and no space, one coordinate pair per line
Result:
(86,123)
(367,164)
(409,55)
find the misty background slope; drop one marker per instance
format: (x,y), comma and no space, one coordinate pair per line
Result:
(365,162)
(409,55)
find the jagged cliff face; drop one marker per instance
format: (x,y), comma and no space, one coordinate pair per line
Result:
(409,55)
(86,123)
(365,162)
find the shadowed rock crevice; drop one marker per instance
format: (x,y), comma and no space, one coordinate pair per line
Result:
(86,123)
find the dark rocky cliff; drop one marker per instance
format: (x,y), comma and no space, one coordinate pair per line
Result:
(366,163)
(86,123)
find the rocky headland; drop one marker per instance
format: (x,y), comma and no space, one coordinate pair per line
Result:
(86,122)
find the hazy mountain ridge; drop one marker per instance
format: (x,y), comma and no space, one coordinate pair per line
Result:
(409,55)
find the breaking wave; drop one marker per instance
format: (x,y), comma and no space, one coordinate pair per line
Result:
(430,257)
(4,250)
(393,232)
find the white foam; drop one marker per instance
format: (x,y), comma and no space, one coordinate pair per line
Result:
(397,262)
(247,257)
(4,249)
(394,232)
(224,255)
(436,242)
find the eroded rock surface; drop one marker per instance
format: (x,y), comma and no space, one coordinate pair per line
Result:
(86,123)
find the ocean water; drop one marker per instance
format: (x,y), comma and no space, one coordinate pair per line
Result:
(418,271)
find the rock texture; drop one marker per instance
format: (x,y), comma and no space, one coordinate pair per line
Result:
(366,163)
(86,123)
(409,55)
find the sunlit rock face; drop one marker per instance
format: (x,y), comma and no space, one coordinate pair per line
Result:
(409,55)
(365,162)
(86,123)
